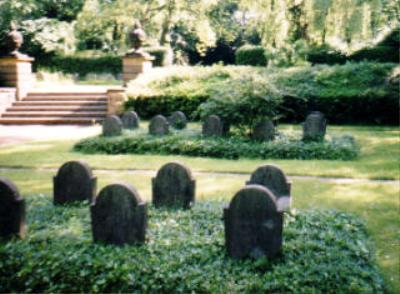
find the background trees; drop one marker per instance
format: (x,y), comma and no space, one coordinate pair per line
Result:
(203,30)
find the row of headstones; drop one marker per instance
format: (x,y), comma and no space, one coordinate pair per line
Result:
(159,125)
(314,127)
(253,220)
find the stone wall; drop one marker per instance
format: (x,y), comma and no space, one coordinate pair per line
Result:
(7,97)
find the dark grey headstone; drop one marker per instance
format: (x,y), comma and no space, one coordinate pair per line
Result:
(264,131)
(74,182)
(112,126)
(130,120)
(178,120)
(253,225)
(314,128)
(174,186)
(159,126)
(119,216)
(213,126)
(12,211)
(273,178)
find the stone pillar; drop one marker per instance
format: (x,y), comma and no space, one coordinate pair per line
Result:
(115,101)
(134,65)
(16,72)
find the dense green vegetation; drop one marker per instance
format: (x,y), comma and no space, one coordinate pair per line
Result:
(351,93)
(185,252)
(193,144)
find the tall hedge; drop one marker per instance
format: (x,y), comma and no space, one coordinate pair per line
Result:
(251,55)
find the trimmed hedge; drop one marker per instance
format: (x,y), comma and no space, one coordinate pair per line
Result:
(353,93)
(251,55)
(323,252)
(190,144)
(103,64)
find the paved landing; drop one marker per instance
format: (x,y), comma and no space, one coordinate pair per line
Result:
(16,134)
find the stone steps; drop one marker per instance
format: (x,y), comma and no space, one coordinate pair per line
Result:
(57,108)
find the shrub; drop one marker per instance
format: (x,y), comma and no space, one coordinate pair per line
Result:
(355,93)
(190,144)
(325,55)
(185,253)
(82,66)
(243,102)
(251,55)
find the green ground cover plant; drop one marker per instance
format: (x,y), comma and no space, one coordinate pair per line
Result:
(324,251)
(193,144)
(351,93)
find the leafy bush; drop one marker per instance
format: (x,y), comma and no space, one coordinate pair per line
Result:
(243,102)
(323,252)
(356,93)
(191,144)
(251,55)
(325,55)
(82,66)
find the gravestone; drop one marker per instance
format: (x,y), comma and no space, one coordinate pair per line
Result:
(213,126)
(178,120)
(273,178)
(74,182)
(314,128)
(12,211)
(264,131)
(112,126)
(119,216)
(253,225)
(130,120)
(159,126)
(174,186)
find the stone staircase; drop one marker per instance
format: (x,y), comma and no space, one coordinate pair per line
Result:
(57,108)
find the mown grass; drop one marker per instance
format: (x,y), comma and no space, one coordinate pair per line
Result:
(379,158)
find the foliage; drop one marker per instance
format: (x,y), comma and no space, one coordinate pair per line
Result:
(185,253)
(243,102)
(341,24)
(251,55)
(192,144)
(163,55)
(351,93)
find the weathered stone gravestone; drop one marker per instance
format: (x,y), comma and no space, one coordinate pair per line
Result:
(174,186)
(264,131)
(178,120)
(112,126)
(12,211)
(314,128)
(159,126)
(130,120)
(253,224)
(213,126)
(273,178)
(119,216)
(74,182)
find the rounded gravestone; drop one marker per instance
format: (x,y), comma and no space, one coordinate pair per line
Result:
(12,211)
(178,120)
(314,128)
(253,225)
(74,182)
(174,186)
(119,216)
(213,126)
(112,126)
(264,131)
(130,120)
(273,178)
(159,126)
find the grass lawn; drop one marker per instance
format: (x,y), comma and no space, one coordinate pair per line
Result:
(377,203)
